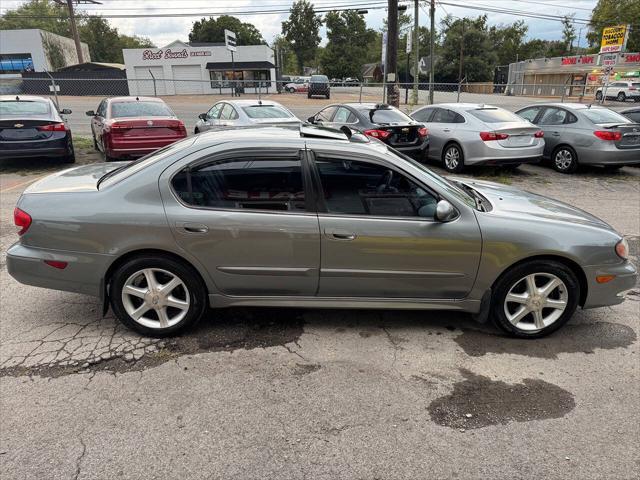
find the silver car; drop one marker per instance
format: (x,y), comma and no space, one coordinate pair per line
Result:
(310,218)
(245,113)
(464,134)
(577,134)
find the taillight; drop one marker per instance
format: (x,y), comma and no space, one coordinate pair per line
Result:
(539,134)
(22,220)
(381,134)
(53,127)
(423,132)
(608,135)
(56,264)
(180,128)
(488,136)
(119,127)
(632,88)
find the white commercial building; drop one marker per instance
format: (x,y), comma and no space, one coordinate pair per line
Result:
(35,50)
(196,68)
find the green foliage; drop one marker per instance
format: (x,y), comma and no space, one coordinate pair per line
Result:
(105,42)
(289,60)
(348,40)
(508,41)
(53,52)
(568,33)
(302,31)
(608,13)
(212,30)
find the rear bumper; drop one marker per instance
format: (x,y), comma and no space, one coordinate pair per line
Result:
(34,152)
(419,148)
(609,156)
(490,153)
(83,273)
(137,147)
(51,147)
(613,292)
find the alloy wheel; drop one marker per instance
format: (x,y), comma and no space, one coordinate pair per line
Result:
(536,301)
(155,298)
(452,158)
(563,159)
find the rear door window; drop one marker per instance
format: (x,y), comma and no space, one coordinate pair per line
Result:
(529,114)
(326,114)
(424,115)
(447,116)
(553,116)
(344,115)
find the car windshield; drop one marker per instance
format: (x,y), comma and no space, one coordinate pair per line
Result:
(448,186)
(495,115)
(604,115)
(266,111)
(386,115)
(319,78)
(23,107)
(140,109)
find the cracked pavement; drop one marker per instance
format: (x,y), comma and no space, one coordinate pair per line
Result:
(291,393)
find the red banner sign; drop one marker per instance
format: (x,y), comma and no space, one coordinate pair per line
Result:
(170,54)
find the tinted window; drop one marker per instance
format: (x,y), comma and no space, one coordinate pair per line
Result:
(635,116)
(11,107)
(266,111)
(228,112)
(390,115)
(494,115)
(344,115)
(319,78)
(245,183)
(603,115)
(447,116)
(361,188)
(529,113)
(423,115)
(326,114)
(140,109)
(553,116)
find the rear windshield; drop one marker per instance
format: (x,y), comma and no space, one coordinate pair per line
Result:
(603,115)
(495,115)
(140,109)
(13,107)
(636,84)
(387,116)
(319,78)
(266,111)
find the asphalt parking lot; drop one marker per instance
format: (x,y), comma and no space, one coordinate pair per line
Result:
(276,393)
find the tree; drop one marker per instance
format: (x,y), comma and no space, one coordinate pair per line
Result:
(212,30)
(479,55)
(301,31)
(105,42)
(289,61)
(507,41)
(608,13)
(348,39)
(568,33)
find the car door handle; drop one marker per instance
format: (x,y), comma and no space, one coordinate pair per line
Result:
(446,130)
(193,227)
(340,235)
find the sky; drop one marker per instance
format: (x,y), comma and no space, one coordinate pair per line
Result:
(164,30)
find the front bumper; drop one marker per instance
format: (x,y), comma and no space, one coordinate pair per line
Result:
(610,293)
(83,274)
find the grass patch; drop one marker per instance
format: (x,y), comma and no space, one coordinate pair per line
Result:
(498,177)
(83,142)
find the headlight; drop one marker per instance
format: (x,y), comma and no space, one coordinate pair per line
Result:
(622,249)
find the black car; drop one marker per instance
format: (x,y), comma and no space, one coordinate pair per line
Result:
(377,120)
(319,85)
(32,127)
(632,113)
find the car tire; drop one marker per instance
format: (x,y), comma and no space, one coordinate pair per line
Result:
(70,157)
(308,95)
(598,95)
(107,158)
(612,168)
(328,96)
(621,97)
(188,297)
(453,158)
(95,143)
(196,131)
(519,313)
(564,159)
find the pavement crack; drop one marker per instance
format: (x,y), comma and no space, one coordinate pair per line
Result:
(79,459)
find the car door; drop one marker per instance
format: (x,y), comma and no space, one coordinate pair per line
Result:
(97,122)
(379,237)
(553,122)
(441,129)
(212,121)
(228,116)
(245,216)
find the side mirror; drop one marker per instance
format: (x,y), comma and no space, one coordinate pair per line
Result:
(65,111)
(202,116)
(90,113)
(445,211)
(311,119)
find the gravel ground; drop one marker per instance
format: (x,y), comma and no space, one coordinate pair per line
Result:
(291,393)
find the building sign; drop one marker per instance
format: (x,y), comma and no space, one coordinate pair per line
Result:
(614,39)
(230,40)
(171,54)
(632,58)
(581,60)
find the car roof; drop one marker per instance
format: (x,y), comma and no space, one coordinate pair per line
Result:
(25,98)
(569,106)
(251,102)
(630,110)
(135,99)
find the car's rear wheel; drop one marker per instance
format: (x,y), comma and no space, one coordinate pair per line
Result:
(598,95)
(328,96)
(70,157)
(621,97)
(564,159)
(107,158)
(95,143)
(535,298)
(157,296)
(453,158)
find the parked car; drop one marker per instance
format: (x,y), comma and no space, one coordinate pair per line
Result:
(632,114)
(244,113)
(166,237)
(377,120)
(130,127)
(300,85)
(31,127)
(465,134)
(351,82)
(319,85)
(336,82)
(621,91)
(578,134)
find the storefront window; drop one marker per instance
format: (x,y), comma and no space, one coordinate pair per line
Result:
(247,78)
(16,63)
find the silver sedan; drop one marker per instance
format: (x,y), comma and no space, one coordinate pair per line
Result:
(577,134)
(464,134)
(310,218)
(245,113)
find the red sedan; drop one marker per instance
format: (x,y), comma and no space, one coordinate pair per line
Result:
(129,127)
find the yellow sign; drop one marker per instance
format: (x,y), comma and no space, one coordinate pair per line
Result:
(613,39)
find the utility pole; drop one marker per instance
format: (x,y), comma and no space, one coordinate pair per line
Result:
(416,54)
(461,54)
(391,67)
(432,34)
(72,23)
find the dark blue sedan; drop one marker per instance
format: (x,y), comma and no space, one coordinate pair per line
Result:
(31,127)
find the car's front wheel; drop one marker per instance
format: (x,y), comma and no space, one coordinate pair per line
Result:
(564,159)
(621,97)
(535,298)
(157,296)
(453,158)
(598,95)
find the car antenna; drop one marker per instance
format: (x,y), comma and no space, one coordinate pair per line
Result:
(138,98)
(17,98)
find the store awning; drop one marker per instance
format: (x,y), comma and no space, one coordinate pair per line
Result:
(239,65)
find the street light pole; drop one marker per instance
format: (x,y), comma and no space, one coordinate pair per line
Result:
(72,23)
(416,53)
(432,14)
